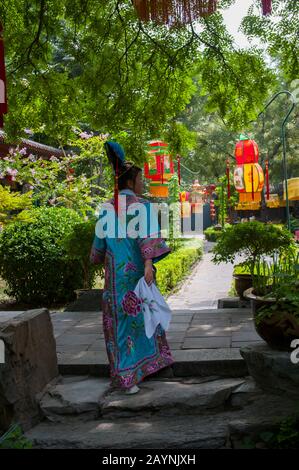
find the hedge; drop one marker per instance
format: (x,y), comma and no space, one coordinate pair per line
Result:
(172,269)
(212,235)
(33,262)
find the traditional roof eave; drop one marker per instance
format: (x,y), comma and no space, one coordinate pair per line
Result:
(32,147)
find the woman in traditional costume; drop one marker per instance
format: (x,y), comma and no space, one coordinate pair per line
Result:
(132,355)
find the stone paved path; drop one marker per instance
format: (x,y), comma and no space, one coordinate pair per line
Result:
(205,285)
(194,336)
(199,332)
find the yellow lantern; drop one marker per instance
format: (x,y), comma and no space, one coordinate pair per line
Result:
(249,182)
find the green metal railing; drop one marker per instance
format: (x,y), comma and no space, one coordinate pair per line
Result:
(283,138)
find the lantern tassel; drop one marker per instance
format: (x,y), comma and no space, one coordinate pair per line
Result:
(162,169)
(179,169)
(267,7)
(116,188)
(174,12)
(267,180)
(3,96)
(228,178)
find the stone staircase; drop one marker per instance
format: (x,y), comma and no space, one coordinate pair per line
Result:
(189,412)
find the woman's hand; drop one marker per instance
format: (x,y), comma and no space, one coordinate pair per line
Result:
(148,271)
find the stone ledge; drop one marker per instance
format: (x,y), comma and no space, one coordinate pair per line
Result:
(233,302)
(30,364)
(272,370)
(224,362)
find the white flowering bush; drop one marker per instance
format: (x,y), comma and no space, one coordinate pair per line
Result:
(71,181)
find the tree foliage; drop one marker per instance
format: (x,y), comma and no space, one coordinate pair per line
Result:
(93,63)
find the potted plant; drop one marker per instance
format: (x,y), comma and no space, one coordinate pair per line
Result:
(275,302)
(251,241)
(242,278)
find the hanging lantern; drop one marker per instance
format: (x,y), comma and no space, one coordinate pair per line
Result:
(212,210)
(174,12)
(185,205)
(3,95)
(159,189)
(248,174)
(159,168)
(249,181)
(246,151)
(184,196)
(267,7)
(159,162)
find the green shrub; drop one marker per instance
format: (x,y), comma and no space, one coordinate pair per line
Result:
(294,224)
(212,235)
(14,439)
(78,245)
(172,269)
(285,436)
(252,240)
(34,263)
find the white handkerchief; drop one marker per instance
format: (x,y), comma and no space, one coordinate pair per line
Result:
(155,309)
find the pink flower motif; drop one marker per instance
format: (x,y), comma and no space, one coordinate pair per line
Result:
(108,322)
(147,251)
(127,381)
(131,303)
(165,352)
(152,368)
(23,151)
(130,267)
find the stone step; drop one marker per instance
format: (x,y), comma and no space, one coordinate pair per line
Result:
(225,362)
(73,396)
(214,312)
(225,429)
(164,398)
(233,302)
(90,398)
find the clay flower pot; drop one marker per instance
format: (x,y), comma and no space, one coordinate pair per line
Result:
(280,329)
(242,283)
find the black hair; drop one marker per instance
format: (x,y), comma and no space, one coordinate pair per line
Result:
(128,171)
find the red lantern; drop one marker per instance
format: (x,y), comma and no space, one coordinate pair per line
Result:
(184,196)
(159,163)
(159,168)
(246,151)
(212,210)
